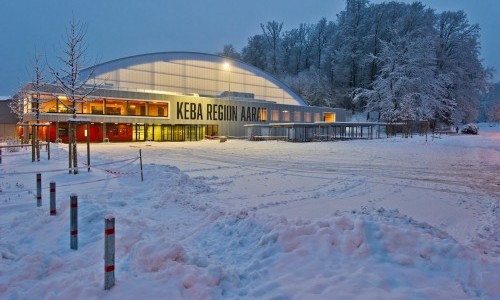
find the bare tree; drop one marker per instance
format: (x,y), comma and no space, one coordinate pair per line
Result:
(17,104)
(76,89)
(272,34)
(36,100)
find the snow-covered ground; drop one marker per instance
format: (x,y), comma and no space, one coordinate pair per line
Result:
(375,219)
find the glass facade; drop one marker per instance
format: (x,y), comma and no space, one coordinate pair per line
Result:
(188,73)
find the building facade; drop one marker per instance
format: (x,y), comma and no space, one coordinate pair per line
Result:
(175,96)
(8,121)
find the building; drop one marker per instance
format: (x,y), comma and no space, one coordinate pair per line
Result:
(176,96)
(8,120)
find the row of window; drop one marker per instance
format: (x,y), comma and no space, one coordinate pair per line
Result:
(107,107)
(287,116)
(162,109)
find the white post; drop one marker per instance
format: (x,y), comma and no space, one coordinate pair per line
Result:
(109,252)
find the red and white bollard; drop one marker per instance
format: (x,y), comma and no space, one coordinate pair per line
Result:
(38,189)
(53,198)
(109,252)
(74,221)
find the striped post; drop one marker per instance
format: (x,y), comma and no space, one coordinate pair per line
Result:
(109,252)
(38,189)
(74,221)
(52,198)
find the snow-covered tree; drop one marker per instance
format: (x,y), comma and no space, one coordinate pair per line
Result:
(229,51)
(458,57)
(321,37)
(272,35)
(490,104)
(407,86)
(17,104)
(312,85)
(350,39)
(296,48)
(363,51)
(254,52)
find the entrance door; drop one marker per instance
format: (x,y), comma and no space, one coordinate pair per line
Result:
(138,134)
(212,130)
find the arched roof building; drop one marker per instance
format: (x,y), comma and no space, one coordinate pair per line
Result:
(191,73)
(176,96)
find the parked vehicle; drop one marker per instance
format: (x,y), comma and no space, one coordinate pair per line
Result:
(470,129)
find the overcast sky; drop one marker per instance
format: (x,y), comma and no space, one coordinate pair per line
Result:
(119,28)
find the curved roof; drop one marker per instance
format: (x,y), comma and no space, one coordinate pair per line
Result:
(191,73)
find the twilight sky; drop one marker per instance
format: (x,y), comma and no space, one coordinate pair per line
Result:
(119,28)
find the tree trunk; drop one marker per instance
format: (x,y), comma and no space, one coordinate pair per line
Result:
(75,153)
(33,144)
(70,144)
(37,144)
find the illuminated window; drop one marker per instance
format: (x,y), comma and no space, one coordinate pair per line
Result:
(297,116)
(136,108)
(263,115)
(317,117)
(114,107)
(275,115)
(286,116)
(48,104)
(329,117)
(156,109)
(95,107)
(307,117)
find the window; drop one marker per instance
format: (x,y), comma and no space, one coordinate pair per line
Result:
(114,107)
(136,108)
(49,106)
(95,107)
(317,117)
(156,109)
(307,117)
(63,131)
(286,116)
(329,117)
(297,116)
(275,115)
(263,115)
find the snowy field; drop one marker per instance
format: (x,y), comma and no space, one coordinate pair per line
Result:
(374,219)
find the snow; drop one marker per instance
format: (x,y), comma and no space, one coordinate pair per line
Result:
(373,219)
